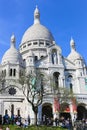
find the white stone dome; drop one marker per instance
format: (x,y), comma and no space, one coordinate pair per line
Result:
(37,31)
(74,56)
(12,55)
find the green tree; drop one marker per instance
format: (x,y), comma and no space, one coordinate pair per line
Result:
(62,93)
(32,86)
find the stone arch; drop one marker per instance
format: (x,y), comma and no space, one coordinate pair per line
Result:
(81,111)
(65,111)
(56,79)
(69,81)
(47,110)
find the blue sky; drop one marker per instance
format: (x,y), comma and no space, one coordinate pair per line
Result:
(64,18)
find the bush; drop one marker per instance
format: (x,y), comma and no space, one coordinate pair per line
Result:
(14,127)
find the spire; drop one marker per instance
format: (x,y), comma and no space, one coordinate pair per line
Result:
(36,16)
(72,44)
(13,40)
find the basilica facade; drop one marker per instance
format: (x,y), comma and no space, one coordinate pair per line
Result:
(39,50)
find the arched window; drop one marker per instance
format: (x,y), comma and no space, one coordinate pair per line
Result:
(56,80)
(71,89)
(4,72)
(35,58)
(41,57)
(14,72)
(6,111)
(10,73)
(18,112)
(69,80)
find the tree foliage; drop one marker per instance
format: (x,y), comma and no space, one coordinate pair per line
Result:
(32,87)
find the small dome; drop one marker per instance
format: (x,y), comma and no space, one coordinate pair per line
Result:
(74,56)
(12,55)
(37,31)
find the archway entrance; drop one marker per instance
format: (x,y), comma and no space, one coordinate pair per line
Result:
(47,110)
(47,114)
(81,112)
(65,111)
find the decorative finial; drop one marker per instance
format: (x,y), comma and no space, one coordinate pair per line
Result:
(36,15)
(13,40)
(36,6)
(72,44)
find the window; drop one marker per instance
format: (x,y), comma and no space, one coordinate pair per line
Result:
(18,112)
(24,46)
(41,43)
(4,72)
(36,58)
(71,89)
(6,111)
(10,74)
(41,57)
(14,72)
(47,44)
(29,44)
(35,43)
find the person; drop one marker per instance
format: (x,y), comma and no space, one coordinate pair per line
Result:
(26,124)
(44,119)
(7,128)
(56,121)
(17,123)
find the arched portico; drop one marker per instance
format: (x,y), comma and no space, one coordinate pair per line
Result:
(81,112)
(65,111)
(47,110)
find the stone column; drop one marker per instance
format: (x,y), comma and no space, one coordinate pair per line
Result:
(55,114)
(39,116)
(73,114)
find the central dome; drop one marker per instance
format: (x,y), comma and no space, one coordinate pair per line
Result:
(37,31)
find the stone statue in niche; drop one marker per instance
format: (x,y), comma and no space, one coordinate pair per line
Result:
(54,58)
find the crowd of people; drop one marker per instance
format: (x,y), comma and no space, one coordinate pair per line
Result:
(62,122)
(14,119)
(65,123)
